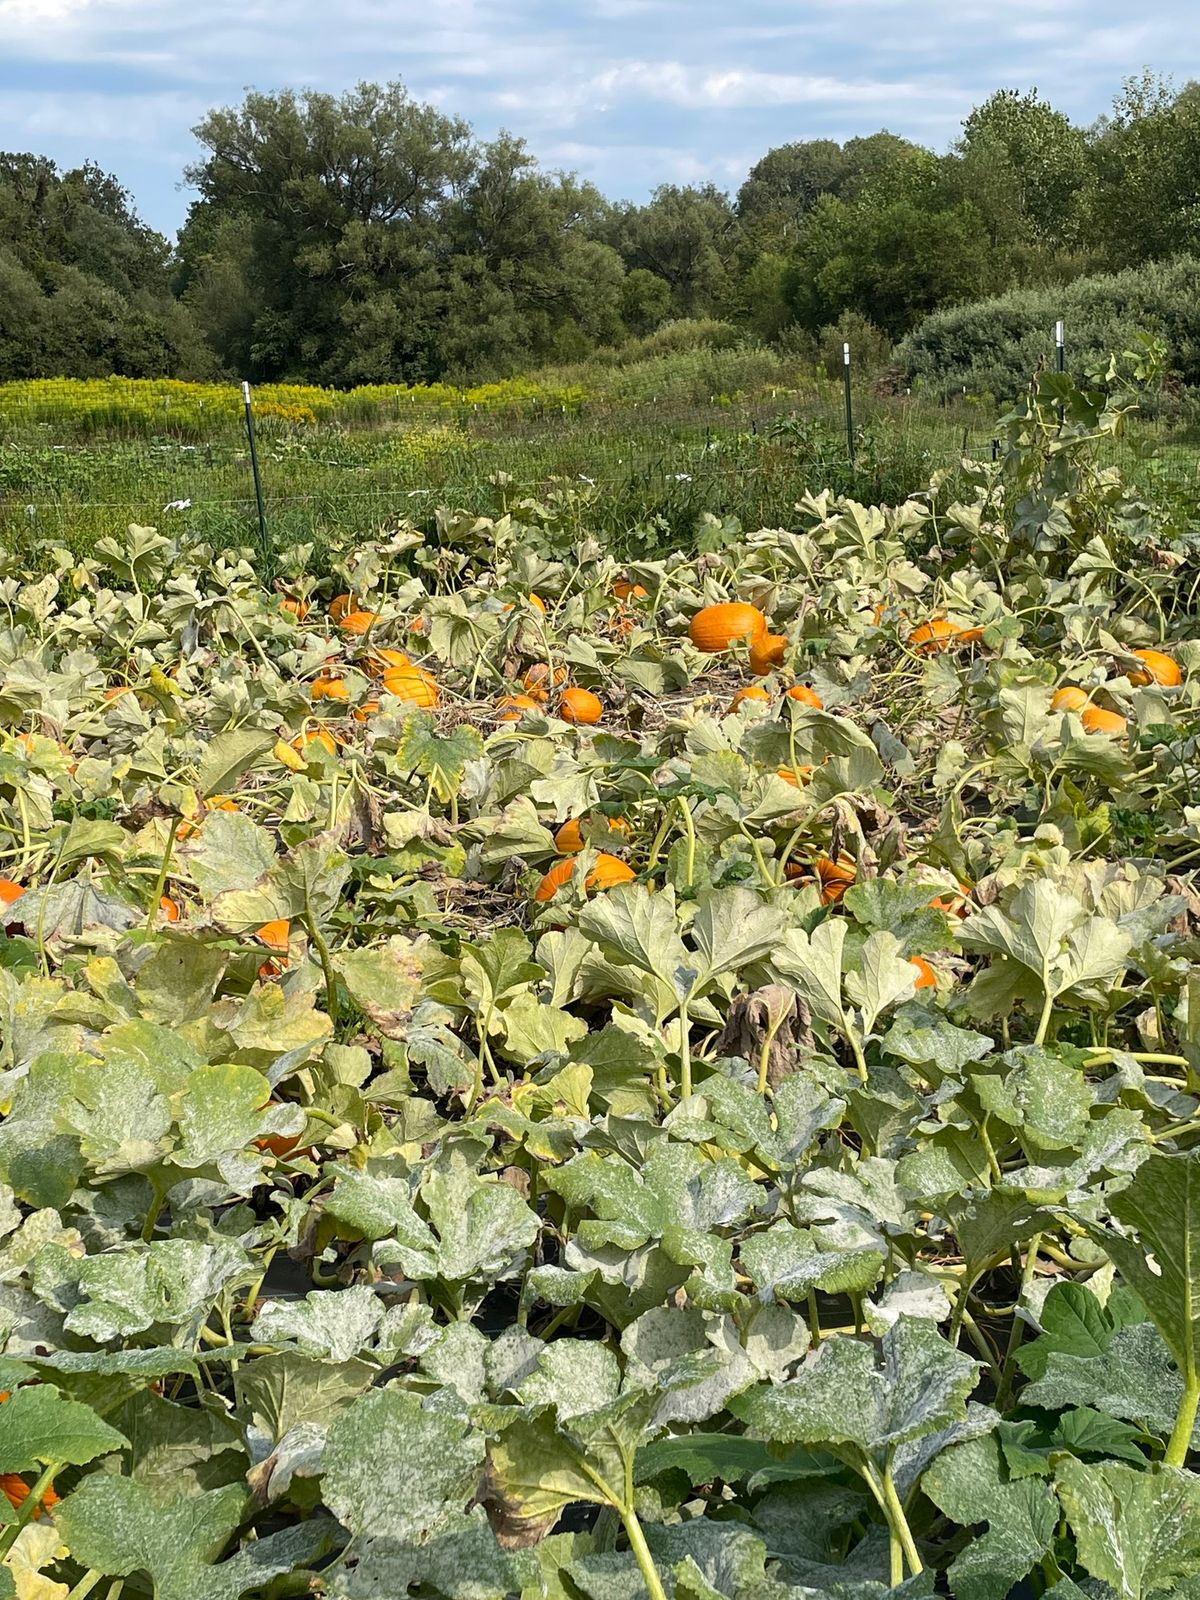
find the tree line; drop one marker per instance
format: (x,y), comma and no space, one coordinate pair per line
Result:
(370,238)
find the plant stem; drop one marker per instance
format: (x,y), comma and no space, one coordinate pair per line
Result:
(28,1508)
(1039,1037)
(641,1553)
(86,1584)
(1017,1331)
(160,883)
(322,949)
(685,811)
(685,1052)
(900,1521)
(1181,1435)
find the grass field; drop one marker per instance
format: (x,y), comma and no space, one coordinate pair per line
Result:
(653,447)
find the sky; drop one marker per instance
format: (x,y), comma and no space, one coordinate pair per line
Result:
(628,93)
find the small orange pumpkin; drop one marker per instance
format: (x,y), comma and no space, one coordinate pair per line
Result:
(609,871)
(835,878)
(275,934)
(366,711)
(554,879)
(380,661)
(767,651)
(512,707)
(169,908)
(1096,719)
(318,736)
(752,693)
(1069,698)
(569,840)
(926,976)
(625,589)
(10,892)
(295,608)
(538,681)
(715,628)
(580,706)
(806,696)
(330,688)
(932,636)
(341,606)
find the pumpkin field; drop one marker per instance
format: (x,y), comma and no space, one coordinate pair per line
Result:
(529,1074)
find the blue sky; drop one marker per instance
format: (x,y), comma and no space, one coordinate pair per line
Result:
(627,92)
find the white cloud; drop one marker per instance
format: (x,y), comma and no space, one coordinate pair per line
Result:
(630,92)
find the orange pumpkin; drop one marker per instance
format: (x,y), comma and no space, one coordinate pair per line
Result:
(753,693)
(793,775)
(1069,698)
(275,934)
(366,711)
(10,892)
(569,840)
(1096,719)
(187,829)
(358,622)
(169,908)
(554,879)
(413,684)
(329,688)
(932,636)
(626,589)
(341,606)
(538,681)
(806,696)
(609,871)
(534,600)
(926,976)
(295,608)
(318,736)
(580,706)
(767,651)
(512,707)
(1157,667)
(835,878)
(279,1144)
(16,1492)
(381,661)
(717,627)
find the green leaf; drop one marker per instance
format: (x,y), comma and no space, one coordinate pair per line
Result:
(917,1385)
(967,1484)
(424,1467)
(229,755)
(732,929)
(384,981)
(332,1323)
(118,1527)
(440,758)
(786,1262)
(1162,1202)
(883,977)
(633,926)
(39,1427)
(1138,1531)
(731,1458)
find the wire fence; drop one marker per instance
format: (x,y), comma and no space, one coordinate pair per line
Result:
(660,462)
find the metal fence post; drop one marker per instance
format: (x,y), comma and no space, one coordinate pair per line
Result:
(849,402)
(1060,339)
(258,491)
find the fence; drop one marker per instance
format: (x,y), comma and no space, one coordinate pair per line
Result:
(656,464)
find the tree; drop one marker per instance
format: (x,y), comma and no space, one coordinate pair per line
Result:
(341,201)
(1147,160)
(686,237)
(1027,169)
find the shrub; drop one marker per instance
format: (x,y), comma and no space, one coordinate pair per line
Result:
(991,346)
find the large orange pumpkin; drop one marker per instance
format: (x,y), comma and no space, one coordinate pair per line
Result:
(358,622)
(717,627)
(1157,668)
(932,636)
(341,606)
(413,684)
